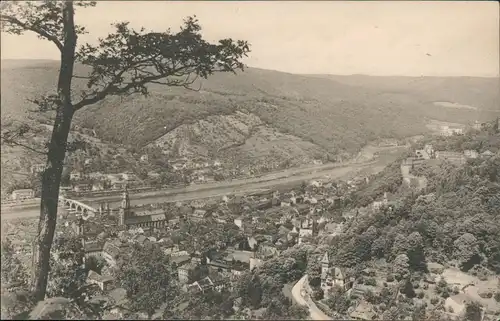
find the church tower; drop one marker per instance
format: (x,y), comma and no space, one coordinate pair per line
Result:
(124,208)
(325,265)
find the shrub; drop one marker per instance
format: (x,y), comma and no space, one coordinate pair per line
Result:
(497,296)
(318,294)
(420,295)
(390,278)
(371,281)
(435,300)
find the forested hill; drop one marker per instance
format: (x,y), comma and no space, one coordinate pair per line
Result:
(305,113)
(454,220)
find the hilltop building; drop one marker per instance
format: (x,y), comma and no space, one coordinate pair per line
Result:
(135,218)
(453,157)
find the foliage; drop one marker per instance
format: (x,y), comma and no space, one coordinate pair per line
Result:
(318,294)
(263,287)
(281,308)
(13,270)
(400,266)
(429,225)
(473,311)
(211,304)
(68,274)
(122,63)
(146,275)
(338,300)
(466,248)
(408,289)
(388,180)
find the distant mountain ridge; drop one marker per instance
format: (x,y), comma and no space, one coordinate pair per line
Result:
(300,117)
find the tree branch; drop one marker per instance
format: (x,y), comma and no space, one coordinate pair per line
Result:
(13,142)
(39,31)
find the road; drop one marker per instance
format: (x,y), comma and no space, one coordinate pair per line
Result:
(219,189)
(314,312)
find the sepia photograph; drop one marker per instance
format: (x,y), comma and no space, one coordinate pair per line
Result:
(250,160)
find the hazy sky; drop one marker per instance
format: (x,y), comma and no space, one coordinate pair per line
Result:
(336,37)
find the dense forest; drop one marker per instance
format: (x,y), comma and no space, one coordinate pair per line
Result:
(454,219)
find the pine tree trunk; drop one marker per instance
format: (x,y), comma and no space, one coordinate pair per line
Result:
(51,177)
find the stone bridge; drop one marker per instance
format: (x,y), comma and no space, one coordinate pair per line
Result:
(78,206)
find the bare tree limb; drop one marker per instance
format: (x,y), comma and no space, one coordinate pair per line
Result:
(11,141)
(25,26)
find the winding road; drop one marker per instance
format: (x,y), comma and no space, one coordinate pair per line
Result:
(314,312)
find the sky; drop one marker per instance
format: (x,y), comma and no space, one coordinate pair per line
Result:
(317,37)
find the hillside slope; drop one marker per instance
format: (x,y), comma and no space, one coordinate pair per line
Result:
(311,115)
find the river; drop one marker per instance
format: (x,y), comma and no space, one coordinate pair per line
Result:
(287,177)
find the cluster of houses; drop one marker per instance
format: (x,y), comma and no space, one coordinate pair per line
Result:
(269,222)
(97,181)
(451,130)
(422,155)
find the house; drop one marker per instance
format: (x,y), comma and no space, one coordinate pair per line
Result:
(305,233)
(470,153)
(181,259)
(331,275)
(478,125)
(199,214)
(75,176)
(93,249)
(105,283)
(267,251)
(153,174)
(316,184)
(363,311)
(487,154)
(202,285)
(429,149)
(413,161)
(81,188)
(112,250)
(37,168)
(456,304)
(422,154)
(22,194)
(255,262)
(449,131)
(252,243)
(98,186)
(185,271)
(452,157)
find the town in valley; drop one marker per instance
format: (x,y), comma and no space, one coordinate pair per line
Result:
(260,194)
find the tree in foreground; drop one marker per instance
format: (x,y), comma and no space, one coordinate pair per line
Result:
(122,63)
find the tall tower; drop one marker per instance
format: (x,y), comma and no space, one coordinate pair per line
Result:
(325,265)
(124,208)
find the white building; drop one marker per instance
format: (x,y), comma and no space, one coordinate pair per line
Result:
(22,194)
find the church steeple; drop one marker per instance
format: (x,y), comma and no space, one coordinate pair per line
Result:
(124,208)
(325,260)
(125,199)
